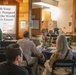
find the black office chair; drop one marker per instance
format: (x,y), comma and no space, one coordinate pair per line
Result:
(40,61)
(62,63)
(74,58)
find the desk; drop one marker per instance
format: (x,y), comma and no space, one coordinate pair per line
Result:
(6,43)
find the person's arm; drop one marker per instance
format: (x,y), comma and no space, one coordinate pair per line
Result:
(35,51)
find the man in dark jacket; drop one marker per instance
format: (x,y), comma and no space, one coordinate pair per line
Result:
(11,67)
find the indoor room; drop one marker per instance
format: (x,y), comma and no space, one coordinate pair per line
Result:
(38,37)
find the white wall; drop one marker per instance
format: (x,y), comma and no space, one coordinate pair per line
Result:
(66,8)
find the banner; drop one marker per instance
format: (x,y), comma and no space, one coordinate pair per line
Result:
(8,19)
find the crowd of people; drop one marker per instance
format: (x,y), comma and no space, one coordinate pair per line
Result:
(25,47)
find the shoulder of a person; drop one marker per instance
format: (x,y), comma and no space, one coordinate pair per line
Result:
(19,40)
(21,69)
(24,71)
(31,42)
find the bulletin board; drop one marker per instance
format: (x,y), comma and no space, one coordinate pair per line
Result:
(36,24)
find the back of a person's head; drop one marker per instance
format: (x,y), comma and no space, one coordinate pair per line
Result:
(50,31)
(43,30)
(61,43)
(26,34)
(12,52)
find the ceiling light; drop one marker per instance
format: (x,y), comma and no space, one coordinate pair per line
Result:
(42,4)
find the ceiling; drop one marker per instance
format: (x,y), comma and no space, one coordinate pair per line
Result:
(44,3)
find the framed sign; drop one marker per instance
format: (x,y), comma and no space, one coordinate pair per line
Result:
(55,24)
(36,24)
(23,24)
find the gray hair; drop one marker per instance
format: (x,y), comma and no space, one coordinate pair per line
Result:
(61,43)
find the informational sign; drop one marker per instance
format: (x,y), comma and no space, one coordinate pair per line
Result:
(36,24)
(55,24)
(23,24)
(31,24)
(8,19)
(50,25)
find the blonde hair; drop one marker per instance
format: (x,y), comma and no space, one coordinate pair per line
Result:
(61,43)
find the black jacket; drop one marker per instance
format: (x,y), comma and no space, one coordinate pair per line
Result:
(12,69)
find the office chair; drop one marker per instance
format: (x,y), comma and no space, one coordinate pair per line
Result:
(62,63)
(40,61)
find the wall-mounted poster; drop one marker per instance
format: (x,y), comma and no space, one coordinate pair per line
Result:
(50,25)
(31,24)
(70,23)
(8,19)
(55,24)
(36,24)
(23,24)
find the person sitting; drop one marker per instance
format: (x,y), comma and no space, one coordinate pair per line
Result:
(11,66)
(28,48)
(63,52)
(44,37)
(50,32)
(56,30)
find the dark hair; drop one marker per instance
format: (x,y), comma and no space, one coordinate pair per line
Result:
(12,52)
(26,34)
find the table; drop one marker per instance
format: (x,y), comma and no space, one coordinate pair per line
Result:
(6,43)
(51,50)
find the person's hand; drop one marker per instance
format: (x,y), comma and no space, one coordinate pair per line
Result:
(42,57)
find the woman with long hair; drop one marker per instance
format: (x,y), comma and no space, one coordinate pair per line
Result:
(62,49)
